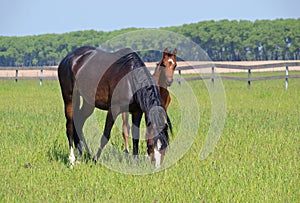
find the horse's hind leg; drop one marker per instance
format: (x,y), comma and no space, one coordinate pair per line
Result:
(80,117)
(125,130)
(74,124)
(70,130)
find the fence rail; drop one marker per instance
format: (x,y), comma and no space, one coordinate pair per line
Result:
(50,72)
(213,66)
(36,72)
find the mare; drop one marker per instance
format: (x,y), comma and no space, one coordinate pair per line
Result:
(163,76)
(115,82)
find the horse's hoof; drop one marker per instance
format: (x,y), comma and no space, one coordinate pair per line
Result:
(72,165)
(148,158)
(136,158)
(79,158)
(72,159)
(126,151)
(95,159)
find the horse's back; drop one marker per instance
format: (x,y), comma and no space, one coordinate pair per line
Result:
(68,62)
(87,61)
(99,73)
(100,61)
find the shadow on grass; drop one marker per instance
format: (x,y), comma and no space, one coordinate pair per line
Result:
(57,153)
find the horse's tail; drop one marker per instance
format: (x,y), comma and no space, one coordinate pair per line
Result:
(66,78)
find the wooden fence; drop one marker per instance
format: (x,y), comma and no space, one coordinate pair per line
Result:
(212,68)
(211,75)
(28,73)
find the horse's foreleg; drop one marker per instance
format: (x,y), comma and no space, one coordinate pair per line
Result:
(106,134)
(125,130)
(136,121)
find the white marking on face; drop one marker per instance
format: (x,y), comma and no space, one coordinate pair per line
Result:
(171,60)
(72,157)
(157,154)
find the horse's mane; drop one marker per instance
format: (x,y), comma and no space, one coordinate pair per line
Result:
(132,58)
(163,137)
(147,95)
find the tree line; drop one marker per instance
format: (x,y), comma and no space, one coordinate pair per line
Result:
(222,40)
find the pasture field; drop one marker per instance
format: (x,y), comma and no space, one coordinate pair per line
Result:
(257,158)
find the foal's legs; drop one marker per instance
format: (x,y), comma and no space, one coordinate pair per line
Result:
(125,130)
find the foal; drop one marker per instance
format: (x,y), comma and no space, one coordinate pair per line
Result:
(163,76)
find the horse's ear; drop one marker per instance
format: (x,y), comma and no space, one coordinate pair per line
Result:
(166,52)
(174,52)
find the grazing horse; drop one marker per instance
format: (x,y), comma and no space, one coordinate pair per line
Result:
(116,82)
(163,76)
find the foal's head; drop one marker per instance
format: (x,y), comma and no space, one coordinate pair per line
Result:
(166,67)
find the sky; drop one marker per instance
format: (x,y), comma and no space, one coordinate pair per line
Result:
(34,17)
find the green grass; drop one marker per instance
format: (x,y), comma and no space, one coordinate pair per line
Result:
(256,159)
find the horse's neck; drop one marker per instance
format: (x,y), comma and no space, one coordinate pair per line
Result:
(158,79)
(156,75)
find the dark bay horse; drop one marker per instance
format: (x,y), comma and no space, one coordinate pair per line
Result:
(116,82)
(163,76)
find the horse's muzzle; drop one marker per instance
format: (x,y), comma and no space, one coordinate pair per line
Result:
(169,82)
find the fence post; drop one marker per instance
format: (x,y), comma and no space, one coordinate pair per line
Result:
(286,77)
(213,76)
(17,73)
(41,76)
(179,78)
(249,79)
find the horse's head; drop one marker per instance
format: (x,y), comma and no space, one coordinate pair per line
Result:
(157,136)
(166,67)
